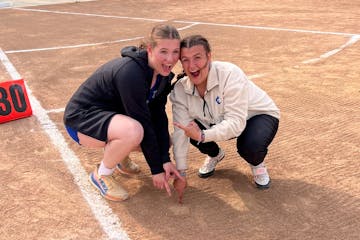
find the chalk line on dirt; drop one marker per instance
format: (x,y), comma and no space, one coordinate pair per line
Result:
(73,46)
(109,221)
(352,40)
(90,14)
(268,28)
(192,22)
(354,37)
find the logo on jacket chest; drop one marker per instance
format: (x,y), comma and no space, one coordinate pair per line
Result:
(218,100)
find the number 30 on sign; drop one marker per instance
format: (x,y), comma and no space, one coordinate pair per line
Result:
(14,102)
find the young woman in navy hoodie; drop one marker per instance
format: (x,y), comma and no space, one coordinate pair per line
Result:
(121,108)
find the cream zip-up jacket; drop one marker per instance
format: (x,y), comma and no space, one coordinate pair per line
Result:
(229,101)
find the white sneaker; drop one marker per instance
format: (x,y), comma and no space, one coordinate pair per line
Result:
(261,176)
(208,168)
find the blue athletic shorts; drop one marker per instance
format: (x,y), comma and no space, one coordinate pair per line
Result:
(73,134)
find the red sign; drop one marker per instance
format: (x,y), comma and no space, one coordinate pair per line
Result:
(14,101)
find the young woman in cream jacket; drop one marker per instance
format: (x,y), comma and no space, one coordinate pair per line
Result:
(213,102)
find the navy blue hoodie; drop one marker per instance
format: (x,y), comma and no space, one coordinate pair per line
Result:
(123,86)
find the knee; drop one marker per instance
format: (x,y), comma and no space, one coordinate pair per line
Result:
(252,153)
(136,132)
(125,129)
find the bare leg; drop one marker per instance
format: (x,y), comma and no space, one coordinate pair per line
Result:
(124,135)
(89,141)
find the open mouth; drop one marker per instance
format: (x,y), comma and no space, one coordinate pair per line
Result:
(166,67)
(195,74)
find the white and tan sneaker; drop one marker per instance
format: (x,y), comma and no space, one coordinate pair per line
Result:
(127,166)
(108,186)
(208,168)
(261,176)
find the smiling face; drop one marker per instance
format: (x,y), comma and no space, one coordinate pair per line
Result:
(196,63)
(164,55)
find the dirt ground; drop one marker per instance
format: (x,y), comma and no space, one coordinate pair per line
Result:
(304,53)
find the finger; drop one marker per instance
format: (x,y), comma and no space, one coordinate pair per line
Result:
(181,198)
(159,186)
(167,175)
(180,193)
(179,125)
(193,124)
(179,176)
(155,183)
(168,190)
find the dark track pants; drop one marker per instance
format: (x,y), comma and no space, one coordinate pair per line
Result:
(252,144)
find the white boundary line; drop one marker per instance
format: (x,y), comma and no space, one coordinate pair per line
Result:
(4,5)
(58,110)
(90,14)
(193,23)
(352,40)
(27,3)
(109,221)
(260,75)
(103,213)
(72,46)
(354,37)
(267,28)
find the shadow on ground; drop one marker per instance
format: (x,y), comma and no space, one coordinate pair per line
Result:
(291,209)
